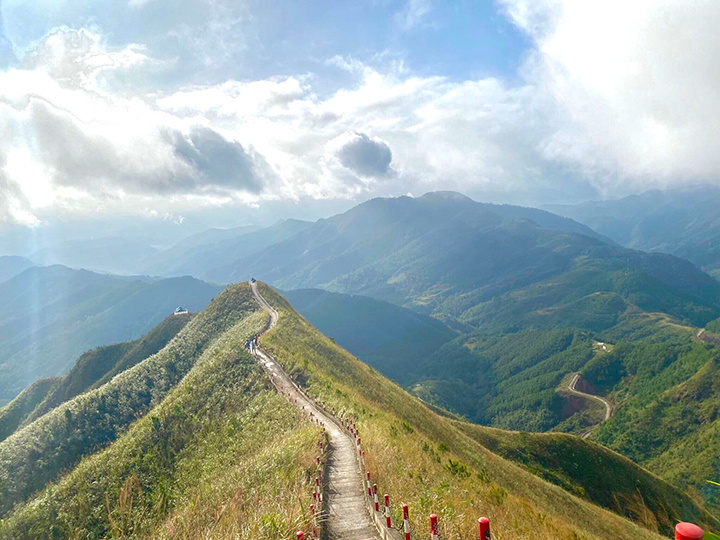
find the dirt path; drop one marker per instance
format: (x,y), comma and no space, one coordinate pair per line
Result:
(573,390)
(347,514)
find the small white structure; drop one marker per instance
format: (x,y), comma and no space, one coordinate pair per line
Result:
(180,311)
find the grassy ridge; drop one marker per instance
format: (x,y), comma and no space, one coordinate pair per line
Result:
(41,451)
(424,460)
(221,455)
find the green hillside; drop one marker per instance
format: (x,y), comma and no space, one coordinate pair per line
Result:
(216,451)
(684,222)
(669,406)
(573,464)
(12,414)
(219,454)
(51,315)
(54,443)
(504,380)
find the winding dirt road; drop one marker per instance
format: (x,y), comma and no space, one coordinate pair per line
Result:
(571,388)
(347,515)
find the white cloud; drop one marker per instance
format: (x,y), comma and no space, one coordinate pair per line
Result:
(616,93)
(634,84)
(78,57)
(72,147)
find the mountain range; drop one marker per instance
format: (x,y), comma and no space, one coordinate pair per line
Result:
(683,222)
(480,313)
(472,264)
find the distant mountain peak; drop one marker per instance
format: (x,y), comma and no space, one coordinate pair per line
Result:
(445,196)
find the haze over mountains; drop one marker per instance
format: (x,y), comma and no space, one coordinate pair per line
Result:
(683,222)
(50,315)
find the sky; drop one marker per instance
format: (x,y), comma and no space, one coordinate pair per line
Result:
(120,115)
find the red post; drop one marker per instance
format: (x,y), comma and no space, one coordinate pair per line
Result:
(369,486)
(433,527)
(406,522)
(484,527)
(312,514)
(375,498)
(387,510)
(688,531)
(314,495)
(300,535)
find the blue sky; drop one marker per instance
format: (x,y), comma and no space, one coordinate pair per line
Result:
(457,39)
(220,112)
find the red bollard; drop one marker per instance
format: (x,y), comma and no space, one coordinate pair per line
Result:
(375,498)
(314,495)
(406,522)
(433,527)
(484,527)
(300,535)
(387,510)
(369,486)
(688,531)
(312,514)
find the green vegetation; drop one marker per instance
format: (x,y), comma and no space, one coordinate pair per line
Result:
(54,443)
(683,222)
(12,414)
(486,266)
(221,455)
(587,470)
(507,380)
(430,462)
(713,326)
(668,390)
(193,443)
